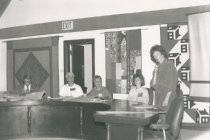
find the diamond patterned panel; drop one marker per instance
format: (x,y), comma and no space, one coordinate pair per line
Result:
(32,67)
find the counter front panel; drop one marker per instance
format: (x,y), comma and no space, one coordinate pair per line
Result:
(71,119)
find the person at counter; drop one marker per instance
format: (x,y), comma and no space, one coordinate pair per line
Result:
(138,93)
(70,89)
(164,79)
(99,91)
(27,87)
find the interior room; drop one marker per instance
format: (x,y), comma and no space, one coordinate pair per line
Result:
(110,39)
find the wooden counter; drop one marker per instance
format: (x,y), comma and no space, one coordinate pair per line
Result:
(51,118)
(126,120)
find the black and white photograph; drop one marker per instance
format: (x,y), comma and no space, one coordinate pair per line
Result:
(104,69)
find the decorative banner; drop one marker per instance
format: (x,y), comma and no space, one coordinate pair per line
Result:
(32,67)
(123,57)
(175,39)
(116,61)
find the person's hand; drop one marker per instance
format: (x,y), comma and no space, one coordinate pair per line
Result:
(156,68)
(155,71)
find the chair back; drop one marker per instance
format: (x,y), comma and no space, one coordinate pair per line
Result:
(179,93)
(174,116)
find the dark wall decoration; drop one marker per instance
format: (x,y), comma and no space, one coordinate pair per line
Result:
(34,68)
(37,57)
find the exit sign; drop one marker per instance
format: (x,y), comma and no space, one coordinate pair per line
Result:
(67,25)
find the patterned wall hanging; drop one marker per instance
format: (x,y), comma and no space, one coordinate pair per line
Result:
(32,67)
(175,39)
(123,59)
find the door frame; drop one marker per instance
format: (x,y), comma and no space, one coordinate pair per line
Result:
(67,51)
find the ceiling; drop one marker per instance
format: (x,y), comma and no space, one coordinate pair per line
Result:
(3,6)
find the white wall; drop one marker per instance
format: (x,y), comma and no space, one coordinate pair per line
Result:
(150,37)
(200,60)
(97,35)
(3,66)
(88,66)
(99,48)
(25,12)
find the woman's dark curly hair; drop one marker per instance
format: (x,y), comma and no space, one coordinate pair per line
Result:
(141,77)
(160,49)
(97,77)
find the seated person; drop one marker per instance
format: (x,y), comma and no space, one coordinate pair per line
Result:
(99,91)
(27,86)
(137,92)
(71,89)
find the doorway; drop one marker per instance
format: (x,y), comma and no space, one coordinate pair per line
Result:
(79,59)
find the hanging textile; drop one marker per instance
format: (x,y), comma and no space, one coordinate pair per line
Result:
(123,59)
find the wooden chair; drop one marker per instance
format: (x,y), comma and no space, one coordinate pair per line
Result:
(173,120)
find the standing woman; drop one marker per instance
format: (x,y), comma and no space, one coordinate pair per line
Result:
(164,79)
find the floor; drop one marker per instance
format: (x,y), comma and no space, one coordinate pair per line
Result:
(186,134)
(189,134)
(44,139)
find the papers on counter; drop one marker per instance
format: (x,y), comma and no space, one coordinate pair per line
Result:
(33,96)
(15,97)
